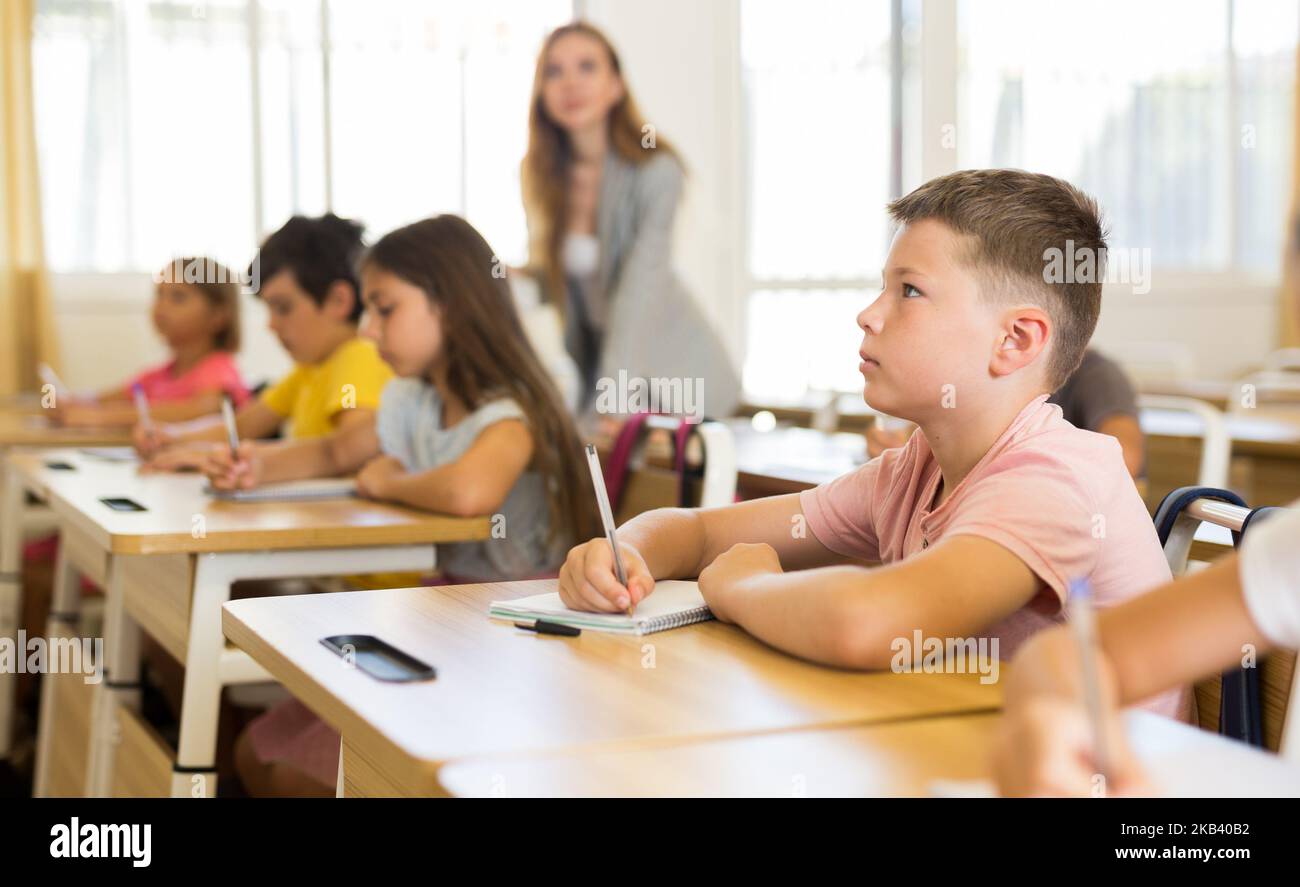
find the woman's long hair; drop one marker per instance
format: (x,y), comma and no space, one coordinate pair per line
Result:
(488,355)
(547,165)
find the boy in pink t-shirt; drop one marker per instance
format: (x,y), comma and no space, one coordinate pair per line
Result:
(993,506)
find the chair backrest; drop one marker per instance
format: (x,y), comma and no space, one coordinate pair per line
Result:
(1183,512)
(1215,456)
(653,481)
(1249,704)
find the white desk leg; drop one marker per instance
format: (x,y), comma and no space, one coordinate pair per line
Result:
(11,591)
(195,772)
(120,687)
(65,607)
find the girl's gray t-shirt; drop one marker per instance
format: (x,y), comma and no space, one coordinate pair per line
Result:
(410,429)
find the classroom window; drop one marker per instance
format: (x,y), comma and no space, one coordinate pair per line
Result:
(1175,114)
(823,157)
(826,318)
(200,127)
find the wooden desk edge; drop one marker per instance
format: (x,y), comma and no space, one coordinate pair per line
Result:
(357,731)
(437,529)
(372,742)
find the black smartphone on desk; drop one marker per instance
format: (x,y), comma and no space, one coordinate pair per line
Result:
(379,659)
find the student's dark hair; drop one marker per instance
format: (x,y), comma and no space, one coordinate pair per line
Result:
(318,250)
(489,355)
(1013,221)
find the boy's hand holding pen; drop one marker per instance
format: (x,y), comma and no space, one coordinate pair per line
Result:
(604,575)
(235,467)
(240,471)
(588,580)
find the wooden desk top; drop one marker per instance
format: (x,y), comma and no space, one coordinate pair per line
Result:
(898,759)
(503,690)
(1220,392)
(1267,431)
(789,459)
(175,501)
(901,759)
(24,427)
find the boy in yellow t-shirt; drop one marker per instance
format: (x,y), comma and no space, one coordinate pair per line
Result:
(313,395)
(310,287)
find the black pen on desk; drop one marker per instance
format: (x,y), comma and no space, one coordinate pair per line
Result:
(541,626)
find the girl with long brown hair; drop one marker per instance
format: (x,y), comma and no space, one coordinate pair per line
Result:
(601,188)
(473,425)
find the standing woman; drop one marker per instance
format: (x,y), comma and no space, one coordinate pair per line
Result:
(601,191)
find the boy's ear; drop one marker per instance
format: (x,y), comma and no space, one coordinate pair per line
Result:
(339,301)
(1023,336)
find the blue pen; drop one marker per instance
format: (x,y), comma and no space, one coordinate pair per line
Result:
(141,404)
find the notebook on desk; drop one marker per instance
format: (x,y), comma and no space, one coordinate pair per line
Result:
(290,491)
(673,603)
(112,454)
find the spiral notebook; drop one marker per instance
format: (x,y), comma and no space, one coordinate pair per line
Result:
(673,603)
(290,491)
(112,454)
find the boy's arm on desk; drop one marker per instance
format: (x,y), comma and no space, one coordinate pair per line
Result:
(850,617)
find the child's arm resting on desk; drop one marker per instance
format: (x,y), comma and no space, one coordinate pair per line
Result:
(342,452)
(477,483)
(672,543)
(850,616)
(254,420)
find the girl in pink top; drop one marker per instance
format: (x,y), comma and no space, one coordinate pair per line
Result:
(196,311)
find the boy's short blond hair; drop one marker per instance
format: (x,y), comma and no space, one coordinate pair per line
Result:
(1014,220)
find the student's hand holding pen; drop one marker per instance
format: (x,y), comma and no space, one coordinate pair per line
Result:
(240,470)
(149,438)
(1046,740)
(186,457)
(588,580)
